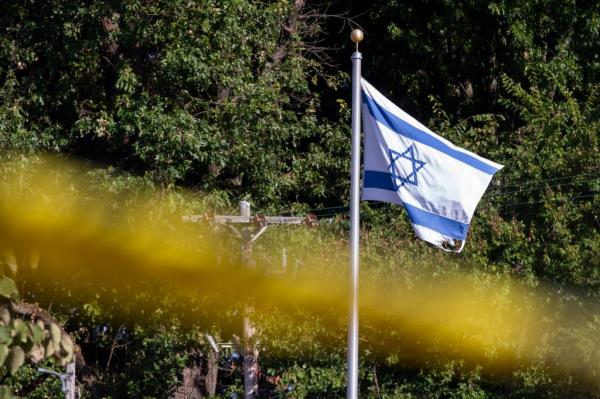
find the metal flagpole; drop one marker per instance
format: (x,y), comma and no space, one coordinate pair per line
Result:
(352,389)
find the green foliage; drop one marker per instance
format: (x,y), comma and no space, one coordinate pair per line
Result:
(230,98)
(8,289)
(516,82)
(311,380)
(210,94)
(24,341)
(161,357)
(29,383)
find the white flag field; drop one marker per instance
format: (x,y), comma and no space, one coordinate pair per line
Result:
(438,183)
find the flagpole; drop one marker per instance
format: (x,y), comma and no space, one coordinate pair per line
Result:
(352,377)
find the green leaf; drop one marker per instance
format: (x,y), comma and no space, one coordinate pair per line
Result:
(55,334)
(8,288)
(4,315)
(3,353)
(6,393)
(37,333)
(16,358)
(49,348)
(5,337)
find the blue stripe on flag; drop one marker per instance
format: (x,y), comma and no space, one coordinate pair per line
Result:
(404,128)
(381,180)
(441,224)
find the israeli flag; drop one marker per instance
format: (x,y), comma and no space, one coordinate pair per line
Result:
(438,183)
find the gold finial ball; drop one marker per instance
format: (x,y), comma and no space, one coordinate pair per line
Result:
(357,35)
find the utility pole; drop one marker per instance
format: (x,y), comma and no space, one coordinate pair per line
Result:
(70,381)
(67,379)
(251,228)
(250,347)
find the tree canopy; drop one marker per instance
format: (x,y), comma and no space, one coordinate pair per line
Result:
(240,99)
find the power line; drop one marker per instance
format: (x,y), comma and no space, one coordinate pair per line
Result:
(573,182)
(582,196)
(534,182)
(344,209)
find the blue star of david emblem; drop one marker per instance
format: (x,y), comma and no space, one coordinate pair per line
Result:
(398,171)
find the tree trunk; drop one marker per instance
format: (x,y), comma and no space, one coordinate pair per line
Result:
(210,381)
(250,356)
(192,381)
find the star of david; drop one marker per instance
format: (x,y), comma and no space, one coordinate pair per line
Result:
(398,167)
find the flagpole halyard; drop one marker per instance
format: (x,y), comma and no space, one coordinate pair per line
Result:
(352,376)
